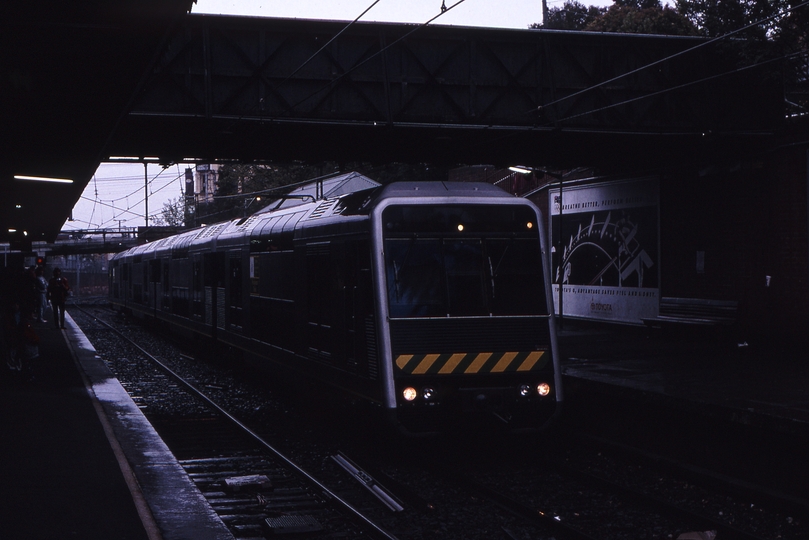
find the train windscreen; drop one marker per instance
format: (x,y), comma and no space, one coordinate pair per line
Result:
(463,261)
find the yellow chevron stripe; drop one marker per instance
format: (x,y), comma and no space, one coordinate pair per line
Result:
(532,359)
(425,364)
(452,363)
(478,362)
(419,364)
(504,362)
(403,359)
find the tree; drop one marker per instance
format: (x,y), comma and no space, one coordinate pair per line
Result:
(778,30)
(624,16)
(172,214)
(718,17)
(642,17)
(572,15)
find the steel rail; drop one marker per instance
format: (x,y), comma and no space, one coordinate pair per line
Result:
(328,493)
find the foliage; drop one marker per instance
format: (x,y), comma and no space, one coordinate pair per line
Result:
(572,15)
(778,31)
(642,18)
(624,16)
(771,31)
(172,214)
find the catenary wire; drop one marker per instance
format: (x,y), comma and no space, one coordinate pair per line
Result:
(681,86)
(312,57)
(671,57)
(380,51)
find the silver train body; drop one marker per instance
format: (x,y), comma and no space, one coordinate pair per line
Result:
(429,300)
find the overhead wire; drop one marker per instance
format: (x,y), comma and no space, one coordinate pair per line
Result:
(380,51)
(671,57)
(312,57)
(128,210)
(681,86)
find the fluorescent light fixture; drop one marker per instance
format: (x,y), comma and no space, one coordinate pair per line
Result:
(133,158)
(12,230)
(43,179)
(521,170)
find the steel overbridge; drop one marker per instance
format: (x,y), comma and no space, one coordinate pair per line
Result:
(279,89)
(147,78)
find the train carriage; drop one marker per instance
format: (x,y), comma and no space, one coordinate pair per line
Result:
(428,299)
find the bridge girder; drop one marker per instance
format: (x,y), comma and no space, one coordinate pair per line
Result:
(263,89)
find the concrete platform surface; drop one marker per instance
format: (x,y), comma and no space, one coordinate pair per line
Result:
(79,460)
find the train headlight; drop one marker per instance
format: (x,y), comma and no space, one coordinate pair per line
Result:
(525,390)
(543,389)
(409,393)
(428,394)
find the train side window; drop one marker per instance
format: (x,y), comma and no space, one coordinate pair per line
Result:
(154,270)
(280,274)
(197,278)
(236,282)
(255,275)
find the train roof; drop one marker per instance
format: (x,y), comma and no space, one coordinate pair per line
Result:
(440,189)
(328,188)
(343,196)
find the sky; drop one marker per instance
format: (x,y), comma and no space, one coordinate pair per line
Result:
(497,13)
(114,197)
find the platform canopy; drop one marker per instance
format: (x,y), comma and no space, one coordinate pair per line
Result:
(69,72)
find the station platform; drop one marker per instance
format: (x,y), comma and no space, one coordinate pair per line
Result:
(762,382)
(78,459)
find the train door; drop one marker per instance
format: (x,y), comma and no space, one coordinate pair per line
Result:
(197,290)
(214,280)
(137,282)
(321,289)
(165,286)
(362,357)
(154,284)
(355,278)
(235,295)
(144,267)
(114,281)
(126,284)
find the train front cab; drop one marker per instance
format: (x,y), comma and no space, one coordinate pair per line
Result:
(464,306)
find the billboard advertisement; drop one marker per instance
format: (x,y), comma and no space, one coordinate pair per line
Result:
(605,247)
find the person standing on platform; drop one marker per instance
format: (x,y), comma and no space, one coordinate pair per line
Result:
(42,294)
(58,289)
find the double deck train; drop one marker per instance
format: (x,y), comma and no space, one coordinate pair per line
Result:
(429,300)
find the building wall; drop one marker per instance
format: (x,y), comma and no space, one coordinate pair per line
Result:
(741,234)
(738,232)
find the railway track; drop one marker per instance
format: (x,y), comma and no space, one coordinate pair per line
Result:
(254,487)
(555,487)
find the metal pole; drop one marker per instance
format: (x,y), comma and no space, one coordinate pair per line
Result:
(561,260)
(146,192)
